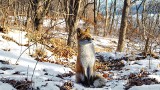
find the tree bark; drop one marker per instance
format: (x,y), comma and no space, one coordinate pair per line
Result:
(74,6)
(106,19)
(123,27)
(95,17)
(146,48)
(114,12)
(41,8)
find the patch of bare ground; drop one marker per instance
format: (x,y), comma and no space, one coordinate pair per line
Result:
(139,79)
(66,86)
(65,75)
(5,68)
(4,62)
(19,85)
(110,65)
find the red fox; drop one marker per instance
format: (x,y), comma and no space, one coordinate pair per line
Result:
(85,64)
(86,58)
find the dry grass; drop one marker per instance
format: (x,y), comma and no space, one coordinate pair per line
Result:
(56,45)
(35,36)
(105,49)
(60,49)
(39,53)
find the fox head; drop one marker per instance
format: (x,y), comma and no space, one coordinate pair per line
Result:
(84,35)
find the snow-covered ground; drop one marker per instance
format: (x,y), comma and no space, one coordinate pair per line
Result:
(49,76)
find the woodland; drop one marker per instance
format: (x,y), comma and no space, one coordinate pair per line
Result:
(38,43)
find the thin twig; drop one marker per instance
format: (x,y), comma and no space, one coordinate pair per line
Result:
(34,69)
(23,52)
(27,71)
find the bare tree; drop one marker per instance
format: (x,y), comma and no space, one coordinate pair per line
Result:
(95,17)
(150,23)
(122,32)
(123,27)
(40,8)
(106,19)
(4,10)
(114,12)
(72,11)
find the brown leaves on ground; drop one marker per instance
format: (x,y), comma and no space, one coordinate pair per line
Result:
(40,53)
(139,79)
(4,62)
(67,86)
(65,75)
(109,65)
(19,85)
(102,49)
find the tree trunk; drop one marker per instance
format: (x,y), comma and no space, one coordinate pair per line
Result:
(114,12)
(123,27)
(144,16)
(95,17)
(146,48)
(41,8)
(137,14)
(38,23)
(74,6)
(106,21)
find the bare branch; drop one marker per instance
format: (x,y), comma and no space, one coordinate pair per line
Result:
(140,5)
(87,6)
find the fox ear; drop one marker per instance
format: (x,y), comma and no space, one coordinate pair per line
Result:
(87,30)
(79,31)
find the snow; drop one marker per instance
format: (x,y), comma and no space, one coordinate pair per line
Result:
(146,87)
(59,23)
(26,64)
(155,76)
(48,23)
(45,74)
(111,55)
(5,86)
(19,36)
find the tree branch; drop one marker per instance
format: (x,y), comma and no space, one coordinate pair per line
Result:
(139,5)
(86,7)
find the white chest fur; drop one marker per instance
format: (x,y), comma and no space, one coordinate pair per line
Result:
(87,54)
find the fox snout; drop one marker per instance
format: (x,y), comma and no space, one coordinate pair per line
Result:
(88,38)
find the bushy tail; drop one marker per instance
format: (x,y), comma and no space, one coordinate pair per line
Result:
(98,81)
(93,80)
(90,78)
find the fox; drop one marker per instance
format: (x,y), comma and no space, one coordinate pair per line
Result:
(86,58)
(85,64)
